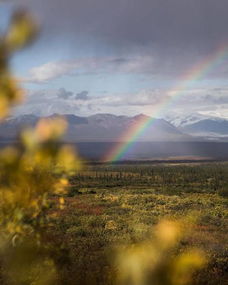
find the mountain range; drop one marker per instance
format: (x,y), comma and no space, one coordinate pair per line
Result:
(201,126)
(100,127)
(112,128)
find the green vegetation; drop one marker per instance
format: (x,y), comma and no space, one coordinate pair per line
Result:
(112,205)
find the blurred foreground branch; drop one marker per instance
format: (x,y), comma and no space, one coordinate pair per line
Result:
(31,171)
(158,260)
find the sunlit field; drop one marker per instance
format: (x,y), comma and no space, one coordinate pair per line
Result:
(112,205)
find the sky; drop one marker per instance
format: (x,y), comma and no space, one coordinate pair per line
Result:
(122,57)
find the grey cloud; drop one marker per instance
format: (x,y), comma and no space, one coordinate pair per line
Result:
(220,99)
(82,95)
(144,65)
(46,102)
(203,97)
(63,94)
(140,99)
(129,24)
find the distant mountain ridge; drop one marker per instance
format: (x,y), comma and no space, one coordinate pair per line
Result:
(201,125)
(208,127)
(99,127)
(112,128)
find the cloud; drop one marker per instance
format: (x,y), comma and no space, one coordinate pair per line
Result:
(148,65)
(82,95)
(49,71)
(47,102)
(152,37)
(128,24)
(159,40)
(152,102)
(62,93)
(87,66)
(201,97)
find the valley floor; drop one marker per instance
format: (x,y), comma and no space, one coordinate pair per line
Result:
(111,205)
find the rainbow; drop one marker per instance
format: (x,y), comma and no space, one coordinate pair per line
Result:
(193,75)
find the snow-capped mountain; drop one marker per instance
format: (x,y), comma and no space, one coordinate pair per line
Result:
(201,125)
(181,121)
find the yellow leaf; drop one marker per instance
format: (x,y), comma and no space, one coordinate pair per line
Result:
(22,30)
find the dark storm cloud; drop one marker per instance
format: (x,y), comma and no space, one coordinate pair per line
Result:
(197,25)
